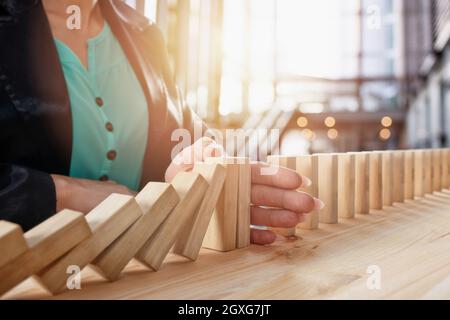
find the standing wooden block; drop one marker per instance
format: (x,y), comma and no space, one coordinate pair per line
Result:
(289,162)
(361,182)
(191,188)
(221,233)
(375,181)
(46,243)
(244,199)
(428,171)
(445,168)
(346,183)
(107,222)
(12,242)
(398,176)
(409,175)
(327,187)
(437,169)
(308,166)
(419,173)
(386,177)
(156,201)
(191,238)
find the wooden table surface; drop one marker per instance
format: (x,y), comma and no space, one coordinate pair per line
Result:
(409,242)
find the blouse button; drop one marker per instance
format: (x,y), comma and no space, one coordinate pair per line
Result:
(109,126)
(111,155)
(104,178)
(99,101)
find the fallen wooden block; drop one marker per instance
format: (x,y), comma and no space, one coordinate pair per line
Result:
(191,238)
(375,181)
(398,176)
(346,183)
(107,222)
(327,187)
(308,166)
(12,242)
(156,201)
(221,233)
(437,167)
(419,174)
(46,243)
(409,175)
(386,177)
(191,188)
(428,171)
(361,182)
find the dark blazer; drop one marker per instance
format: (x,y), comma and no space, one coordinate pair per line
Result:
(35,116)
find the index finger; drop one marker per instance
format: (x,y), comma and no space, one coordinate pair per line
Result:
(279,177)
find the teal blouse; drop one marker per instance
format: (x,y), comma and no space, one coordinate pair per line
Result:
(109,112)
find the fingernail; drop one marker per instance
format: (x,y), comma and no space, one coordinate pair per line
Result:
(306,182)
(318,204)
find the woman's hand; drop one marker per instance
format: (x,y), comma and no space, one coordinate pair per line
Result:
(276,203)
(84,195)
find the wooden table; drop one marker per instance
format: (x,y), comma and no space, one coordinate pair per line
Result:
(409,242)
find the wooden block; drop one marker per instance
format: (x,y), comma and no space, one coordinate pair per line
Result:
(244,200)
(289,162)
(361,182)
(346,183)
(409,175)
(156,201)
(307,166)
(398,176)
(386,178)
(191,188)
(327,187)
(437,169)
(221,233)
(428,171)
(375,181)
(107,222)
(47,242)
(191,238)
(419,173)
(445,168)
(12,242)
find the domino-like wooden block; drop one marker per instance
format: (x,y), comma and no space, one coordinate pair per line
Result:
(191,238)
(191,188)
(445,168)
(46,242)
(12,242)
(375,181)
(308,166)
(428,171)
(361,182)
(107,222)
(419,174)
(244,200)
(289,162)
(386,177)
(398,190)
(437,169)
(156,201)
(221,233)
(327,187)
(346,183)
(409,175)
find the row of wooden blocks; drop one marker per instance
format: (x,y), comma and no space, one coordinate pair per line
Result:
(208,207)
(357,182)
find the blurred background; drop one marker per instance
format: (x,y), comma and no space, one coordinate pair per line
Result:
(331,75)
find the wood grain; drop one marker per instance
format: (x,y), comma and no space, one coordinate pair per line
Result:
(327,187)
(398,180)
(386,178)
(361,182)
(419,174)
(307,166)
(409,175)
(12,242)
(244,200)
(375,181)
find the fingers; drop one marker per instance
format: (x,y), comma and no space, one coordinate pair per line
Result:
(280,177)
(275,217)
(262,237)
(292,200)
